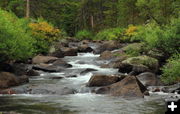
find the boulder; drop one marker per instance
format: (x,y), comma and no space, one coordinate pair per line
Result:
(85,42)
(102,80)
(57,53)
(150,62)
(172,88)
(107,46)
(23,79)
(47,68)
(43,59)
(61,63)
(70,51)
(20,69)
(125,68)
(33,73)
(84,48)
(87,71)
(106,55)
(137,69)
(147,79)
(130,86)
(7,80)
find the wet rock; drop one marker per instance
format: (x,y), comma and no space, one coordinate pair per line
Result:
(148,79)
(61,63)
(6,67)
(87,71)
(19,69)
(102,80)
(7,80)
(156,90)
(172,88)
(43,59)
(137,69)
(7,91)
(107,46)
(47,68)
(71,76)
(150,62)
(70,51)
(52,89)
(125,68)
(130,86)
(66,91)
(84,48)
(106,55)
(57,53)
(85,42)
(57,78)
(81,62)
(115,61)
(33,73)
(11,112)
(42,91)
(23,79)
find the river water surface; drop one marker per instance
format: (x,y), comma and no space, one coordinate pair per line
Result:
(82,102)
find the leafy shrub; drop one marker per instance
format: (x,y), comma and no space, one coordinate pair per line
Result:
(130,33)
(165,38)
(171,71)
(16,42)
(109,34)
(83,34)
(134,49)
(45,34)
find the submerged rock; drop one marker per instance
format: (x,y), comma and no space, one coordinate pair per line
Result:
(130,86)
(57,78)
(87,71)
(103,80)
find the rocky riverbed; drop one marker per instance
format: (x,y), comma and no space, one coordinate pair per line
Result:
(93,77)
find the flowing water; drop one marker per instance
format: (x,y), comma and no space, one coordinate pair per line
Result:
(82,102)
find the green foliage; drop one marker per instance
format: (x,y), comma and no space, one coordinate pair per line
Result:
(109,34)
(150,62)
(134,49)
(16,43)
(171,72)
(45,34)
(165,38)
(84,34)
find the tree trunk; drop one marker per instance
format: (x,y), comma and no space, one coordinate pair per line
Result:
(92,22)
(27,9)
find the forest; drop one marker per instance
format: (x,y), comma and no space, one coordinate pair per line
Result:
(147,33)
